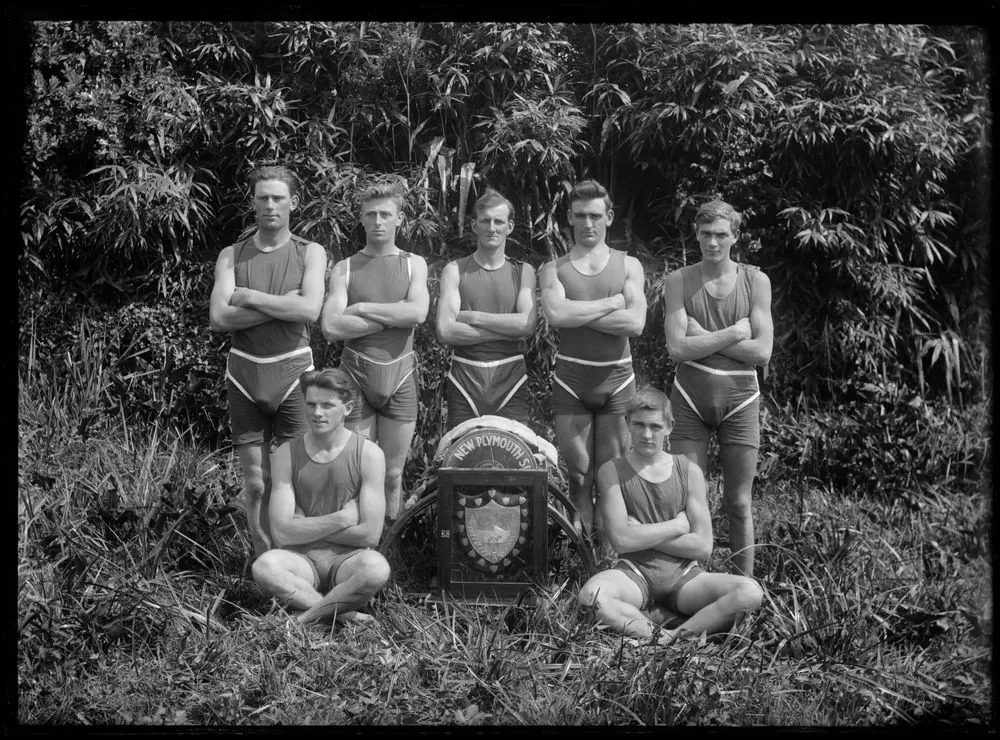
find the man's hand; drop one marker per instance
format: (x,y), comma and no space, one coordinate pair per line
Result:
(684,522)
(240,297)
(694,329)
(744,329)
(352,515)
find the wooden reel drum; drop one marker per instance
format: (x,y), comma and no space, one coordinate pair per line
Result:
(488,521)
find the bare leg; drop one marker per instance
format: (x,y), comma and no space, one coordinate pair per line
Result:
(610,441)
(696,452)
(575,440)
(357,581)
(366,426)
(287,576)
(715,600)
(256,465)
(617,599)
(739,466)
(394,438)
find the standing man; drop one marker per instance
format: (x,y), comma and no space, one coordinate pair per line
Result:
(718,328)
(656,515)
(594,296)
(327,506)
(268,289)
(376,298)
(486,309)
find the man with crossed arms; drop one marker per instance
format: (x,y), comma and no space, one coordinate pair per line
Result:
(486,309)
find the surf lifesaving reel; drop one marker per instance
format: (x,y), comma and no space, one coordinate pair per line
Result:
(489,519)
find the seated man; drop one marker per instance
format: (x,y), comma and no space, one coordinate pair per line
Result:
(656,517)
(327,507)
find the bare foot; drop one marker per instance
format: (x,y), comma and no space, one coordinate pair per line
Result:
(358,618)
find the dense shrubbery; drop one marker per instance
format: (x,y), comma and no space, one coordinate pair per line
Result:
(856,153)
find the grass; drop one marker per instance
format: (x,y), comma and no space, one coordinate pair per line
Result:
(135,606)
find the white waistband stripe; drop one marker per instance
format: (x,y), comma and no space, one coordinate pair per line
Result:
(593,363)
(273,358)
(491,363)
(714,371)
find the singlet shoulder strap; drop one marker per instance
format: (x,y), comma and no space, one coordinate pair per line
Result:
(681,467)
(406,261)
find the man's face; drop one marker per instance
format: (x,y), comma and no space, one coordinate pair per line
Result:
(648,430)
(590,220)
(273,204)
(381,218)
(492,227)
(325,409)
(716,239)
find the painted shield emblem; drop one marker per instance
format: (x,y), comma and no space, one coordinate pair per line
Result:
(493,530)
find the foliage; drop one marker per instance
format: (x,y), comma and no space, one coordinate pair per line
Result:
(849,148)
(135,607)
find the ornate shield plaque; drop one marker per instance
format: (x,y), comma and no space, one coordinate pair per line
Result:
(493,527)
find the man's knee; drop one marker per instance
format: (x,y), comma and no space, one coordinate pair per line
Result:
(266,568)
(393,477)
(372,572)
(737,507)
(588,594)
(749,594)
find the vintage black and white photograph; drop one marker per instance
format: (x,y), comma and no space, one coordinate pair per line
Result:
(546,373)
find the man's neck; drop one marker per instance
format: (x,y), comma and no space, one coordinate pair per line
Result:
(489,259)
(269,240)
(331,439)
(579,250)
(715,270)
(380,250)
(640,462)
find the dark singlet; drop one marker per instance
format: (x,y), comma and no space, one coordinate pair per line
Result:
(276,272)
(653,502)
(582,342)
(323,488)
(382,279)
(492,291)
(718,313)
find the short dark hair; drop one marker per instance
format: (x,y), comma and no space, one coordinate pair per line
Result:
(650,399)
(275,172)
(590,190)
(712,210)
(333,379)
(491,199)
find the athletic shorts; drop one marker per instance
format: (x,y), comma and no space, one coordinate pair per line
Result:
(497,388)
(585,387)
(263,396)
(705,399)
(388,388)
(325,562)
(661,580)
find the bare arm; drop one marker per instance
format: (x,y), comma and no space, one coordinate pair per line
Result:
(289,527)
(371,502)
(755,351)
(221,315)
(303,304)
(404,314)
(697,543)
(675,323)
(451,329)
(517,325)
(334,323)
(565,313)
(631,320)
(626,536)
